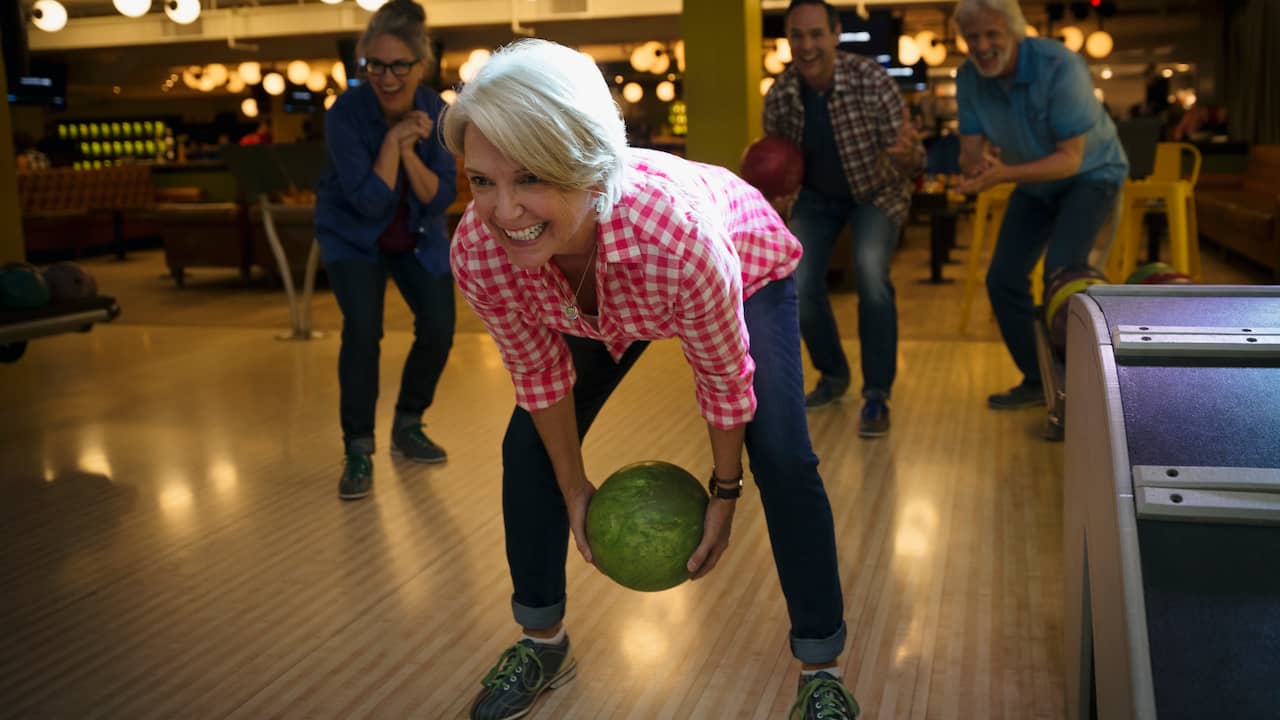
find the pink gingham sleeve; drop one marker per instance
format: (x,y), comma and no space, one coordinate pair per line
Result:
(535,355)
(713,331)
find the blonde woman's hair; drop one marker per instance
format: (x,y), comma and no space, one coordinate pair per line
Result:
(966,10)
(548,109)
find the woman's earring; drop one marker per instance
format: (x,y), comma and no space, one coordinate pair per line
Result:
(600,204)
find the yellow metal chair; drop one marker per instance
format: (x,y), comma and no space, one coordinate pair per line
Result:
(992,202)
(1166,190)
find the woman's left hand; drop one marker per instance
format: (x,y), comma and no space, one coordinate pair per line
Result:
(715,537)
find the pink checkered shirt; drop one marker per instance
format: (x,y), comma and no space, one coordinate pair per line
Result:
(866,112)
(678,254)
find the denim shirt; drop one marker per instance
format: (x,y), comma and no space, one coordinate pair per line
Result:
(1049,99)
(354,206)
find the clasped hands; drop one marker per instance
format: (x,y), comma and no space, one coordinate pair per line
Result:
(988,172)
(414,126)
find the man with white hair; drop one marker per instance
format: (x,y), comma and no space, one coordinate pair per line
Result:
(1028,116)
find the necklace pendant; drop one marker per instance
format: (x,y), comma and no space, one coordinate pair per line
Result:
(570,312)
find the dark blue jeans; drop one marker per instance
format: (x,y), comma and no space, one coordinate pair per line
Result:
(360,288)
(817,220)
(1065,223)
(796,508)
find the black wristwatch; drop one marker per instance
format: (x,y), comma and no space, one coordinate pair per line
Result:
(719,488)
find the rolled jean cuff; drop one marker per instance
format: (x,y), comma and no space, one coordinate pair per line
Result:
(539,618)
(870,393)
(360,446)
(820,650)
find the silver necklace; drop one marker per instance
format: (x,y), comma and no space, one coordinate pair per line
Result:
(570,310)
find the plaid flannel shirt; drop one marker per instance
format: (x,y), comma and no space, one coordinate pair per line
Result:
(681,250)
(866,112)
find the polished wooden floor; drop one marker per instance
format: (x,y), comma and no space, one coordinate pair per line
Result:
(174,548)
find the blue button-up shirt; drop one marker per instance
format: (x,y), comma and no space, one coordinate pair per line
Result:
(354,206)
(1048,99)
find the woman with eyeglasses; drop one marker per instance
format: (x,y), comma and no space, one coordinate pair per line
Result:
(380,211)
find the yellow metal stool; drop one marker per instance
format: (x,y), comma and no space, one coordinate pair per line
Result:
(993,202)
(1174,193)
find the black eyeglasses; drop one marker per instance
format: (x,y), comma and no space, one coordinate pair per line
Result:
(376,67)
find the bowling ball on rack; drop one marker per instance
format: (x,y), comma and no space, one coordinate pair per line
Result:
(1063,283)
(69,281)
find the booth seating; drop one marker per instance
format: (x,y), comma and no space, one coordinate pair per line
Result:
(204,235)
(72,211)
(1239,211)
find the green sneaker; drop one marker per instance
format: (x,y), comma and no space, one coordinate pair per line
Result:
(523,672)
(414,444)
(822,696)
(357,477)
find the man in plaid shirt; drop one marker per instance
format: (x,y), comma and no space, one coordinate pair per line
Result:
(860,151)
(575,252)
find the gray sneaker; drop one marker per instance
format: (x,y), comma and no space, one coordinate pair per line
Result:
(523,672)
(822,696)
(414,444)
(357,477)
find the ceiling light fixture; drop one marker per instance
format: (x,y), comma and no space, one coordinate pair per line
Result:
(183,12)
(132,8)
(48,15)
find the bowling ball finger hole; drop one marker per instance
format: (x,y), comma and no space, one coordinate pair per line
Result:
(1146,338)
(1171,472)
(1144,328)
(1251,339)
(1176,497)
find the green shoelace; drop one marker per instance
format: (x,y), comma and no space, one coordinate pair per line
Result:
(510,668)
(829,696)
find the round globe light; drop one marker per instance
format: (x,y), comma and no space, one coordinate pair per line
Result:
(632,92)
(249,107)
(273,83)
(183,12)
(48,15)
(1099,44)
(317,81)
(666,91)
(1072,38)
(298,71)
(908,51)
(132,8)
(250,72)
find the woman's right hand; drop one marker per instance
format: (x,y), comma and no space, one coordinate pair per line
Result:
(577,504)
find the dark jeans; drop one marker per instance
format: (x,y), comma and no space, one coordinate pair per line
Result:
(360,288)
(796,508)
(1066,224)
(817,220)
